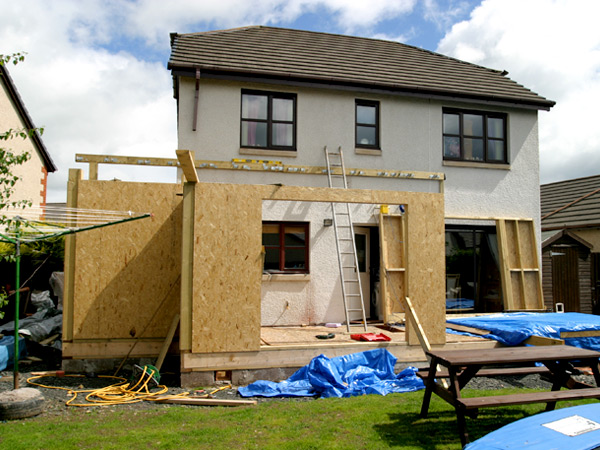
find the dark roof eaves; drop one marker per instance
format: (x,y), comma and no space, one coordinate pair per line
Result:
(22,110)
(190,70)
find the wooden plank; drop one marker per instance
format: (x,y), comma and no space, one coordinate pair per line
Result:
(542,340)
(575,334)
(93,171)
(105,350)
(70,253)
(204,401)
(187,266)
(167,343)
(496,372)
(467,329)
(251,165)
(412,316)
(186,162)
(529,397)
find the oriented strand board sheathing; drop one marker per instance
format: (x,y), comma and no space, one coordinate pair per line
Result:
(392,237)
(127,276)
(228,259)
(520,270)
(227,268)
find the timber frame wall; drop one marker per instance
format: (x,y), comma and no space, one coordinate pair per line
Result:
(125,284)
(200,256)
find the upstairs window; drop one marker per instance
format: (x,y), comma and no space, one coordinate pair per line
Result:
(268,120)
(367,124)
(474,136)
(286,247)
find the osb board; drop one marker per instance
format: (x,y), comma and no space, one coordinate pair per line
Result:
(520,271)
(392,245)
(127,275)
(227,268)
(228,259)
(394,291)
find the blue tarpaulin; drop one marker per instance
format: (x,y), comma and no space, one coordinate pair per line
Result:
(369,372)
(575,428)
(513,328)
(7,351)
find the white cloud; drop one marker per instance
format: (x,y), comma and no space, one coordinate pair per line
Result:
(553,48)
(88,99)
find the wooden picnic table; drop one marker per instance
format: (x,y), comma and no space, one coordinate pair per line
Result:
(459,366)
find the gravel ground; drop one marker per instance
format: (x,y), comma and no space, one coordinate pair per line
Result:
(55,399)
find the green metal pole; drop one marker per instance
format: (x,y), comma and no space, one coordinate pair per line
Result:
(17,309)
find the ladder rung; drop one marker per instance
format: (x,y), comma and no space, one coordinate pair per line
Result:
(355,310)
(350,281)
(353,295)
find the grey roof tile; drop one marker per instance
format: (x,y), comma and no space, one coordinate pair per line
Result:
(571,203)
(346,60)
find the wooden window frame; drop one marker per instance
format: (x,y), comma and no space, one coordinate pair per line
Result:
(282,247)
(376,126)
(269,120)
(461,136)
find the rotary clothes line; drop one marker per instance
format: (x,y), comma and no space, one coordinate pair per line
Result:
(26,225)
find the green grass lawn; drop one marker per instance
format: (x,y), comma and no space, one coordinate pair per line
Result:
(367,422)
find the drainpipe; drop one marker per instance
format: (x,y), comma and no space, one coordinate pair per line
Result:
(196,95)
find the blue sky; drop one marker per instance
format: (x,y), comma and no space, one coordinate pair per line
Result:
(95,74)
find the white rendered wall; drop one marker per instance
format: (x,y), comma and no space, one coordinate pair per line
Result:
(411,139)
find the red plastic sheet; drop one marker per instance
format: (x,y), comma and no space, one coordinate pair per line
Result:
(370,337)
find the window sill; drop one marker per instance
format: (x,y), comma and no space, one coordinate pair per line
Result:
(267,152)
(286,277)
(475,164)
(367,151)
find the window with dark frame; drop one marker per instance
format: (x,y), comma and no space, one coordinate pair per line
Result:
(474,136)
(367,124)
(286,247)
(268,120)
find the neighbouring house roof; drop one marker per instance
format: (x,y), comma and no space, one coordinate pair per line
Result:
(337,61)
(571,203)
(16,99)
(550,237)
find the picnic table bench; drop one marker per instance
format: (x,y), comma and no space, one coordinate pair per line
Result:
(460,366)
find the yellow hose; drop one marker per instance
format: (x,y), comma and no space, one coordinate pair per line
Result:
(118,393)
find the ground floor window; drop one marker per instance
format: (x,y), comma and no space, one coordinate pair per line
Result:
(472,270)
(286,247)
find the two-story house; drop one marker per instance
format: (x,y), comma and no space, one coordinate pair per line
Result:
(441,162)
(14,116)
(278,94)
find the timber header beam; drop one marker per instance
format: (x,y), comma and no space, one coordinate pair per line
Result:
(257,165)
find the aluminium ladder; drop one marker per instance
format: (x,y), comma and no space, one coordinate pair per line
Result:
(345,244)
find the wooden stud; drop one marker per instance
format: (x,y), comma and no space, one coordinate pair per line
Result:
(187,266)
(167,343)
(69,287)
(93,175)
(542,340)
